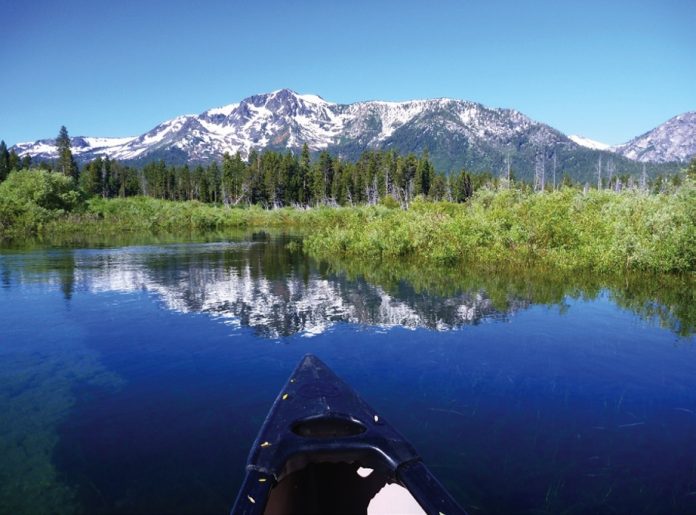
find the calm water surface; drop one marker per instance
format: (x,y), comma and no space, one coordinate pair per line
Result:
(134,379)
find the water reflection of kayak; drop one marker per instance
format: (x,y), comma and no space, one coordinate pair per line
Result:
(323,450)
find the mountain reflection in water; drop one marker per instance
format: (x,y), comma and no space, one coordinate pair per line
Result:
(259,283)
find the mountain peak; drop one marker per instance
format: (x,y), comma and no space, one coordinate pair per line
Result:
(283,94)
(457,133)
(674,140)
(288,95)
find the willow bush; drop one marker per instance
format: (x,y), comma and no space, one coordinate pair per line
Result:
(569,229)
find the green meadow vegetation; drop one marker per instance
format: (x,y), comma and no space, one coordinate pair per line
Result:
(603,230)
(568,229)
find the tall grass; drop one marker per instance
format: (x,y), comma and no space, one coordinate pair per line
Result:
(601,231)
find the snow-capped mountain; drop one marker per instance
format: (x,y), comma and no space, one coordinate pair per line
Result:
(457,134)
(285,119)
(46,148)
(282,119)
(588,143)
(674,140)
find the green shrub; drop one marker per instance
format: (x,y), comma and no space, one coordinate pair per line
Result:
(598,231)
(44,189)
(31,198)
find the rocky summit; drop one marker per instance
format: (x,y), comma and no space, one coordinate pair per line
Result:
(456,134)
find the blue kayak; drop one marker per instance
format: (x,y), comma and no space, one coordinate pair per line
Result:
(323,450)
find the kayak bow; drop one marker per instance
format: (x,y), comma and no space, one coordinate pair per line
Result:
(322,449)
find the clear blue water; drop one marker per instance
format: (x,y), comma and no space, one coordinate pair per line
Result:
(134,379)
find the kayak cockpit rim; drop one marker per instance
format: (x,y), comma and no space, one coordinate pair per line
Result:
(316,445)
(334,426)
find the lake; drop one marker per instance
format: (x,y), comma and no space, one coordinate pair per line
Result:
(134,378)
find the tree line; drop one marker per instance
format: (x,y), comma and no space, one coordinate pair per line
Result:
(9,160)
(269,178)
(276,179)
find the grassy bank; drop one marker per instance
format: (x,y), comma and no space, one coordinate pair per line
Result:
(39,203)
(599,231)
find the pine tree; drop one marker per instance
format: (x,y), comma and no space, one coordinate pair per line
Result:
(390,172)
(270,161)
(290,170)
(404,178)
(14,161)
(66,163)
(91,178)
(304,186)
(423,175)
(125,181)
(4,161)
(462,187)
(254,177)
(25,164)
(200,181)
(322,178)
(110,182)
(233,171)
(438,189)
(213,179)
(691,171)
(184,183)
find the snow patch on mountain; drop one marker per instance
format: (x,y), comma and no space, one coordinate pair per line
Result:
(222,111)
(81,145)
(375,121)
(588,143)
(313,99)
(283,119)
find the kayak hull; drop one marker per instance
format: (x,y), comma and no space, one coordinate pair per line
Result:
(317,439)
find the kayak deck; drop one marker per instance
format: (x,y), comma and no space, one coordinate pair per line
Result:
(317,437)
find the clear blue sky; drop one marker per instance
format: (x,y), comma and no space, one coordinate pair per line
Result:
(609,70)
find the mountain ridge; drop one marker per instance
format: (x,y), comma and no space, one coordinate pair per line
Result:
(674,139)
(457,133)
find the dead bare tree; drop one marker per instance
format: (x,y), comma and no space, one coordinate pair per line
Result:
(507,159)
(539,178)
(599,172)
(643,180)
(143,182)
(244,194)
(611,168)
(406,194)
